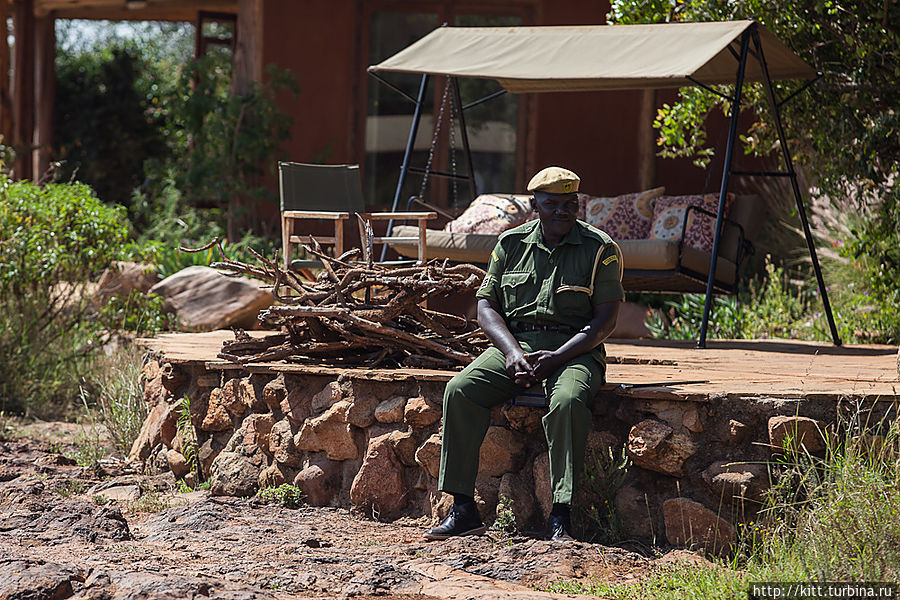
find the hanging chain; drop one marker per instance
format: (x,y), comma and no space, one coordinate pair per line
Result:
(453,123)
(434,139)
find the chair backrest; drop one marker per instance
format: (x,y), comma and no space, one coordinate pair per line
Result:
(335,188)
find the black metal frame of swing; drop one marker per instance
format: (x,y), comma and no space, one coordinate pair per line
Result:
(750,34)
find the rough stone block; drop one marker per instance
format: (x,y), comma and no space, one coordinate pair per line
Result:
(391,410)
(428,456)
(420,412)
(380,487)
(501,452)
(319,482)
(801,433)
(331,433)
(689,523)
(653,446)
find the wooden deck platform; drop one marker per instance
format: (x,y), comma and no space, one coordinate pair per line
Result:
(739,368)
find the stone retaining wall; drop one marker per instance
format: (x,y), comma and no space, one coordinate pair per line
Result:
(375,445)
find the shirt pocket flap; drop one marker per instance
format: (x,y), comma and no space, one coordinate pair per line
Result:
(514,280)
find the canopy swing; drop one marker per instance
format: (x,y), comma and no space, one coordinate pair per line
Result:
(622,57)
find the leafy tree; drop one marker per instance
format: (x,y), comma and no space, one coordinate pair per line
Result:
(106,126)
(223,141)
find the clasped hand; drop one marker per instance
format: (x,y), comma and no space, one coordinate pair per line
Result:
(533,367)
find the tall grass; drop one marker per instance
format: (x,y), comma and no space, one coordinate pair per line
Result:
(831,518)
(114,396)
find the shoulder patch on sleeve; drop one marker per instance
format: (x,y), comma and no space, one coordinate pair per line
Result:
(610,259)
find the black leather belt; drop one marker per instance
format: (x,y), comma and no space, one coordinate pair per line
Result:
(520,326)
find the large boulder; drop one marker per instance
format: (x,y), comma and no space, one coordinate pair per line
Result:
(158,427)
(391,410)
(281,444)
(633,511)
(515,488)
(655,446)
(204,299)
(689,523)
(379,486)
(540,471)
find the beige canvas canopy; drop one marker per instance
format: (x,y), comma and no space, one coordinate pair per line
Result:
(595,57)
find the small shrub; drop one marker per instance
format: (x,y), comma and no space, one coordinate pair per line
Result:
(505,521)
(286,495)
(595,507)
(150,502)
(70,487)
(185,424)
(141,313)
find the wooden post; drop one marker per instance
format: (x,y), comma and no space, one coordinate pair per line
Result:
(647,141)
(23,87)
(6,116)
(44,93)
(248,50)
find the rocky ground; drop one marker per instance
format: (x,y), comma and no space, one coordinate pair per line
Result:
(67,531)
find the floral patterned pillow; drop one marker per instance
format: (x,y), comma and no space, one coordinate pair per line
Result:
(626,217)
(668,216)
(492,214)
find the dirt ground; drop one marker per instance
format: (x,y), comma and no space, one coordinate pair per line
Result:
(111,533)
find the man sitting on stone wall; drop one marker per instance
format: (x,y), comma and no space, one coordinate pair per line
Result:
(550,297)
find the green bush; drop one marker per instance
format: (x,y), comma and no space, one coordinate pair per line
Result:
(286,495)
(53,240)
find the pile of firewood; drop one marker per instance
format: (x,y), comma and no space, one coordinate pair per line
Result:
(358,313)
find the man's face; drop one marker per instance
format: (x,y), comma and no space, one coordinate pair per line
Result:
(556,211)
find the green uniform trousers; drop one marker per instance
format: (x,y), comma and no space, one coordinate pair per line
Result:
(470,395)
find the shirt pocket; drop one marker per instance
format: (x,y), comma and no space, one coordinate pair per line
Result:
(573,296)
(515,289)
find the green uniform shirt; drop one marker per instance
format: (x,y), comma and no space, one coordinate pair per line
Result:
(529,282)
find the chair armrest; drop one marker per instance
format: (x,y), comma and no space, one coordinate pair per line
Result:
(312,214)
(428,216)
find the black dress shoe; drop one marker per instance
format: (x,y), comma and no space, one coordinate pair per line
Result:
(462,519)
(559,529)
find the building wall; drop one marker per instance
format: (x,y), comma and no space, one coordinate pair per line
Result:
(594,134)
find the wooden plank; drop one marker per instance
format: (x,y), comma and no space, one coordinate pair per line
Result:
(737,369)
(314,214)
(400,215)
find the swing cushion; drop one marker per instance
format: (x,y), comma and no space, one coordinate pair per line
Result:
(625,217)
(668,218)
(492,214)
